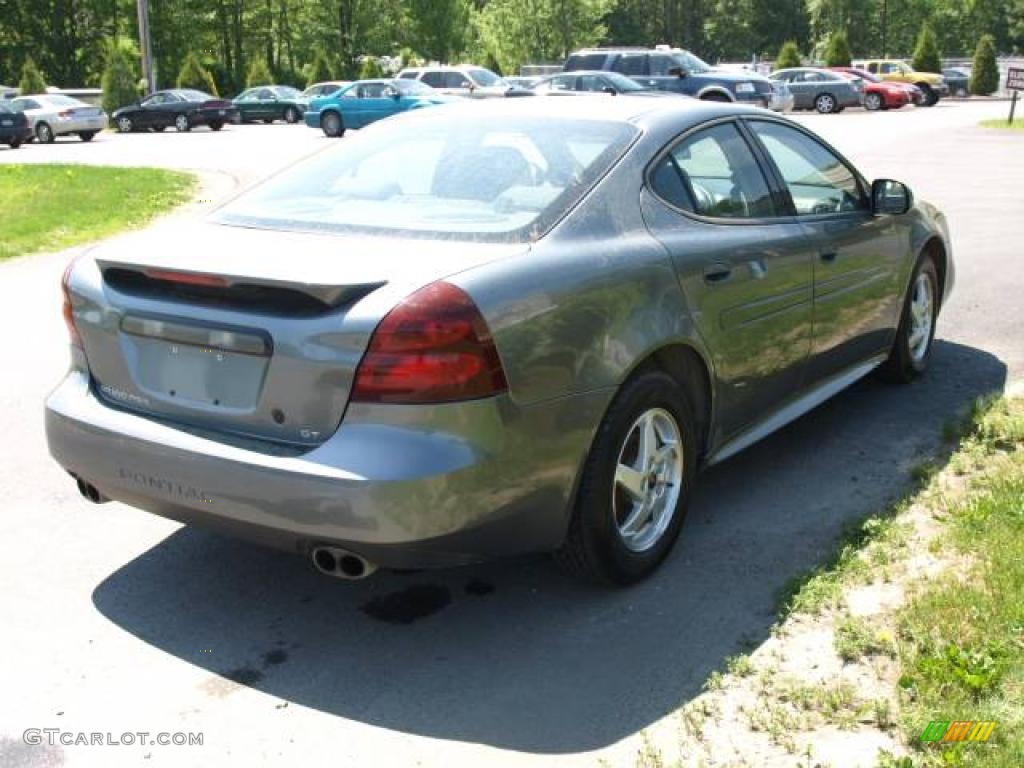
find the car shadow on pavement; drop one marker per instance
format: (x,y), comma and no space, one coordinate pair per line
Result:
(517,656)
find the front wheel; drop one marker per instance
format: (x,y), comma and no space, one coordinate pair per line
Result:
(14,143)
(931,96)
(636,484)
(182,124)
(124,124)
(291,115)
(44,134)
(332,125)
(216,126)
(825,103)
(912,348)
(873,102)
(86,135)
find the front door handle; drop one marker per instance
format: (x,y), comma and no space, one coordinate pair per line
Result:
(717,273)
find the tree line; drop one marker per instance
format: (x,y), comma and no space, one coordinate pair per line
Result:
(222,43)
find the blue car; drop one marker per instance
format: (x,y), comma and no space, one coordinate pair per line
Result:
(366,101)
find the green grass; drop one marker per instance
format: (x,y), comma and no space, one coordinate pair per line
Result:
(1018,124)
(51,207)
(961,638)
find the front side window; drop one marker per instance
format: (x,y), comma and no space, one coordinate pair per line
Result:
(714,173)
(593,83)
(818,181)
(456,80)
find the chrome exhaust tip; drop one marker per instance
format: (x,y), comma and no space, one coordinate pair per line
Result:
(90,491)
(341,564)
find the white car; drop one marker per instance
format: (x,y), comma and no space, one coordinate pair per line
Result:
(465,80)
(53,114)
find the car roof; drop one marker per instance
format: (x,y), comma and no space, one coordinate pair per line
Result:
(644,112)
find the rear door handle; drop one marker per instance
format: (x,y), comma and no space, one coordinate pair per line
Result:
(717,273)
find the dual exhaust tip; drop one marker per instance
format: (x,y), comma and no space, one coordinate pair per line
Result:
(341,564)
(332,561)
(90,491)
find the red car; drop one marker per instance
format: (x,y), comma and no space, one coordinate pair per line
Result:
(882,94)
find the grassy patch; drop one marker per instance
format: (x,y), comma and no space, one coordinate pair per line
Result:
(961,637)
(856,638)
(50,207)
(1018,124)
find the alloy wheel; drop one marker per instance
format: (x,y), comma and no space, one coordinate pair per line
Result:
(648,479)
(922,317)
(825,104)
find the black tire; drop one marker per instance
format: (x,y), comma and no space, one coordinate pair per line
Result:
(216,125)
(14,143)
(931,96)
(594,547)
(826,104)
(903,364)
(873,102)
(182,124)
(291,115)
(714,96)
(86,135)
(332,125)
(44,134)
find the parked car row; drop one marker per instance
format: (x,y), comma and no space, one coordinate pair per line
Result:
(335,106)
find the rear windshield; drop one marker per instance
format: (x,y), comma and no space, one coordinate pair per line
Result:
(501,178)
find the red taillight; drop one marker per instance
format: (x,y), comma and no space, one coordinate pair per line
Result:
(68,310)
(188,278)
(434,347)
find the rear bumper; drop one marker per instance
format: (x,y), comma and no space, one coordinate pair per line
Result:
(312,118)
(207,116)
(393,484)
(79,125)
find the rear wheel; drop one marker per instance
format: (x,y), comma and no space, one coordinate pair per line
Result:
(44,134)
(182,124)
(873,102)
(714,96)
(216,126)
(912,347)
(14,143)
(86,135)
(332,125)
(825,103)
(636,484)
(291,115)
(931,96)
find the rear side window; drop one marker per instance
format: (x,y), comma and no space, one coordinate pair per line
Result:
(817,180)
(714,173)
(631,64)
(433,79)
(455,80)
(661,63)
(585,61)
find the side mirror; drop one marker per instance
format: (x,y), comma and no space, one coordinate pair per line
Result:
(392,93)
(890,197)
(677,72)
(610,91)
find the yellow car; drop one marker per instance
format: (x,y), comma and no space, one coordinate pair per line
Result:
(932,84)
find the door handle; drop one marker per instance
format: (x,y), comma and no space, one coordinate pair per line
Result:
(717,273)
(829,256)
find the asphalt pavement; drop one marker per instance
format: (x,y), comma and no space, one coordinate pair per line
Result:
(116,621)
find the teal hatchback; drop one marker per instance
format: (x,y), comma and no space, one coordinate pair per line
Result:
(366,101)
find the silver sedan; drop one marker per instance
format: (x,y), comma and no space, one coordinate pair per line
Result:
(53,115)
(492,328)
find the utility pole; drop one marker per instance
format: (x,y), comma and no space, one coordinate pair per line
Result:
(885,29)
(146,47)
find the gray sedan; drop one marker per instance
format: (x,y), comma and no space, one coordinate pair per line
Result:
(53,115)
(821,89)
(492,328)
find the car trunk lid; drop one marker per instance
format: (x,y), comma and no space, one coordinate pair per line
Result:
(247,332)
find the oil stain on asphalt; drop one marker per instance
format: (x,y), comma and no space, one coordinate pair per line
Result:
(408,605)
